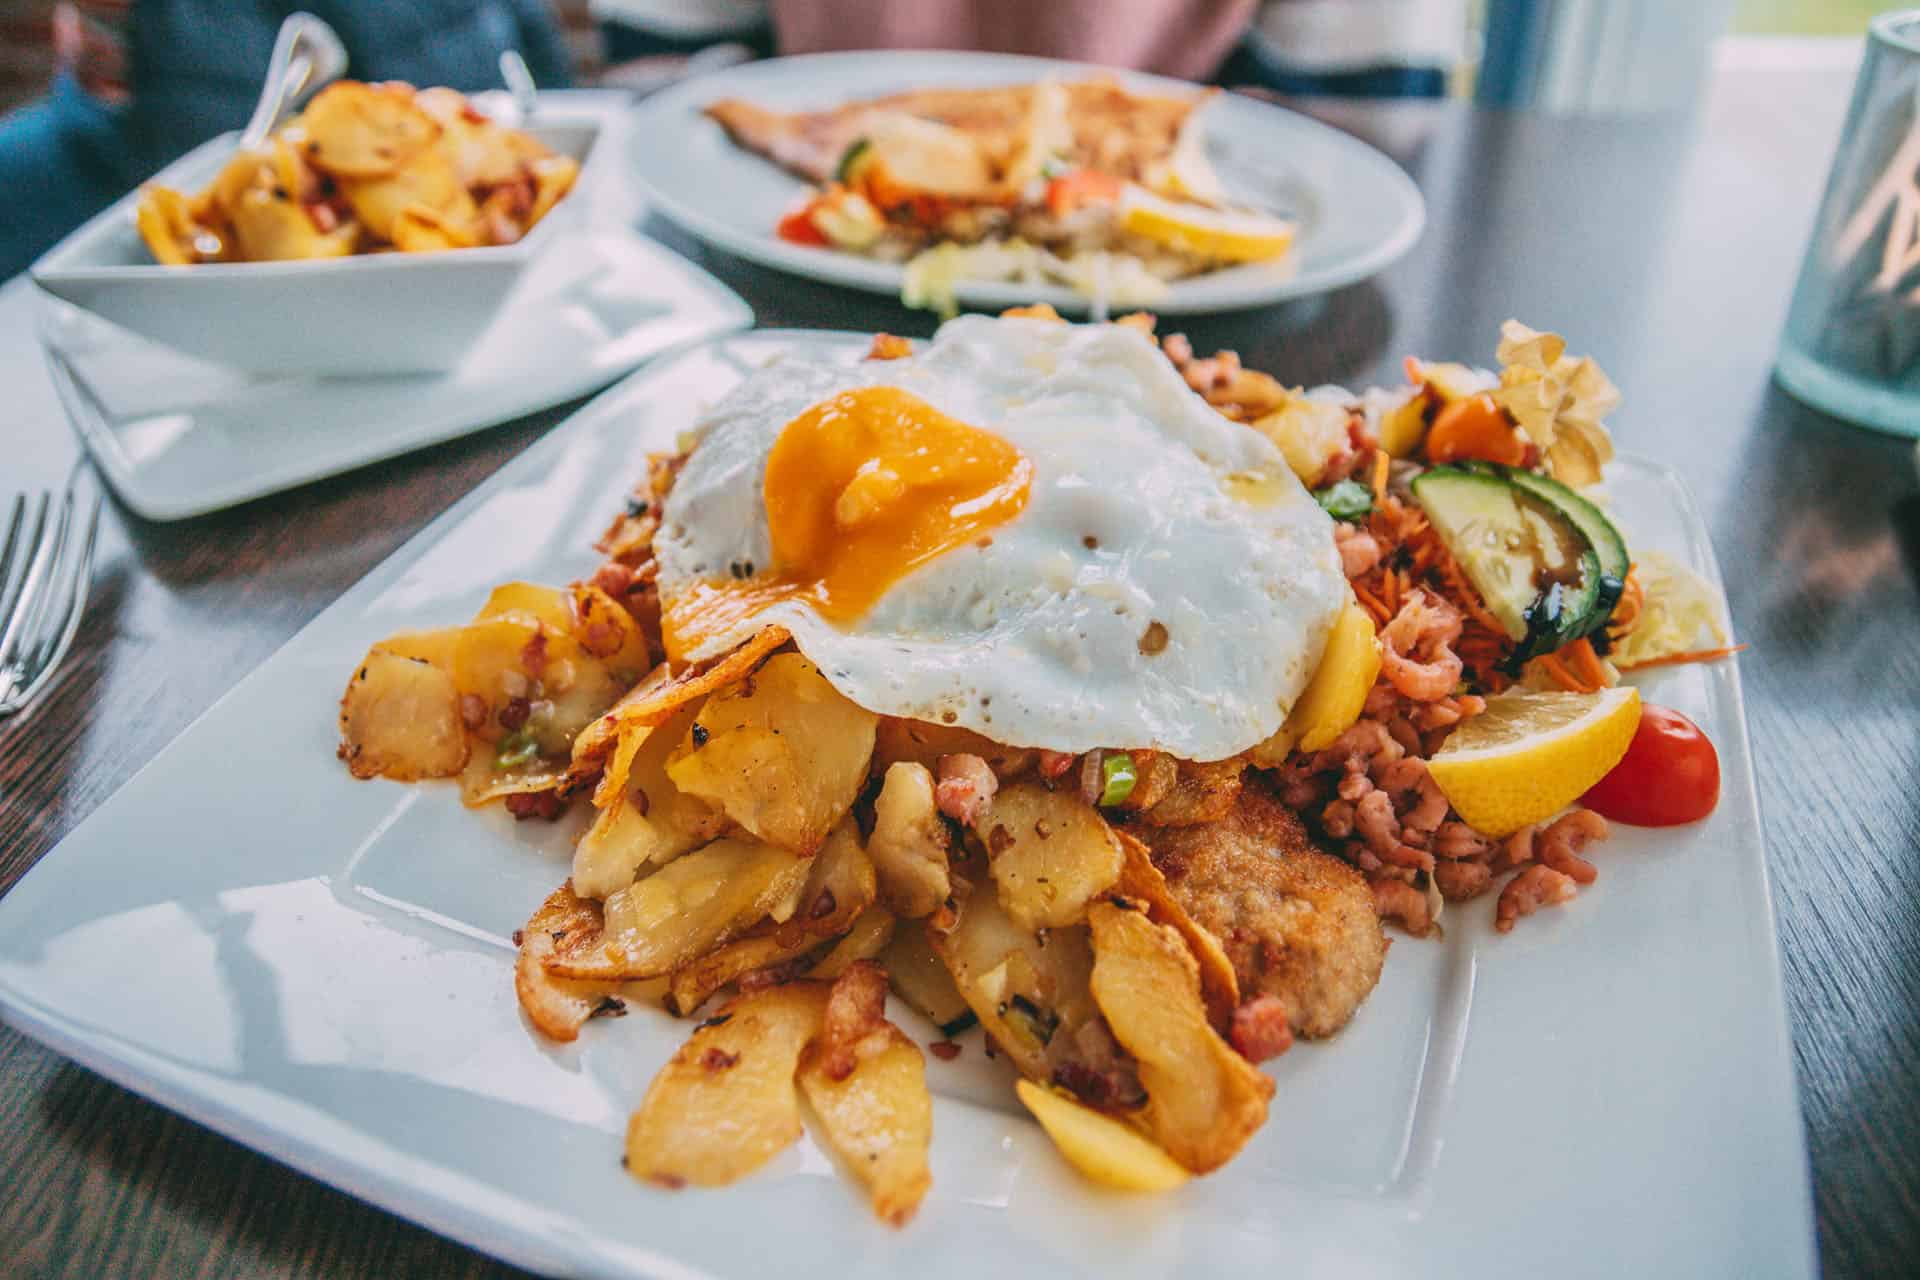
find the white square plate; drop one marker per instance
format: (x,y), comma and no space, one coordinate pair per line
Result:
(320,968)
(177,437)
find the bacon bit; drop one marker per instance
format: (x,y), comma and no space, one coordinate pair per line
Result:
(671,1181)
(513,716)
(888,347)
(473,710)
(856,1009)
(965,788)
(945,1050)
(536,804)
(614,578)
(533,655)
(1055,763)
(1260,1029)
(1692,655)
(717,1060)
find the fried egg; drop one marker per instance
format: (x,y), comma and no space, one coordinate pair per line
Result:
(1029,529)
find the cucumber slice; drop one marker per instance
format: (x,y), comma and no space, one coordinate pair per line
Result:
(1478,514)
(848,169)
(1608,545)
(1530,557)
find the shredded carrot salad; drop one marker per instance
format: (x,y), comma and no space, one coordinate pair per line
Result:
(1415,557)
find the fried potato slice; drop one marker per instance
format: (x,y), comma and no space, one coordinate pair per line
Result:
(658,697)
(400,719)
(644,818)
(909,842)
(357,130)
(922,979)
(607,631)
(553,178)
(1142,881)
(420,228)
(865,939)
(1110,1152)
(783,752)
(867,1083)
(173,235)
(558,1007)
(1032,994)
(684,910)
(924,742)
(726,1103)
(427,181)
(1203,1100)
(838,888)
(1050,852)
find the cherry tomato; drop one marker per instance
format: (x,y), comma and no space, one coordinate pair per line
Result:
(1475,428)
(1670,774)
(797,228)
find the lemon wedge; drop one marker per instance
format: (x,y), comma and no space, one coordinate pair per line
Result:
(1218,235)
(1529,755)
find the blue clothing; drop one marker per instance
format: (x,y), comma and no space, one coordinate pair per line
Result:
(196,69)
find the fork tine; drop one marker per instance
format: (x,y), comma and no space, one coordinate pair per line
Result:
(12,584)
(42,659)
(31,604)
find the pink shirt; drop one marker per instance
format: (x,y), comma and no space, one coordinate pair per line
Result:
(1184,38)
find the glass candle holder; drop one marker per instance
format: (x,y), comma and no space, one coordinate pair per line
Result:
(1852,345)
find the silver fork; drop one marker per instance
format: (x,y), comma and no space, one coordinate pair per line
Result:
(46,564)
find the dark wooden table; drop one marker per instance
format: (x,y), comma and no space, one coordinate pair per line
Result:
(1666,248)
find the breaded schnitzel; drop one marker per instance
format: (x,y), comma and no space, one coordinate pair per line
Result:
(1297,923)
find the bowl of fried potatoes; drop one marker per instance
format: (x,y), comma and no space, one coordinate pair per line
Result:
(378,231)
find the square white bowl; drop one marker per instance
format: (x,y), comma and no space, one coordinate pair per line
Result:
(368,314)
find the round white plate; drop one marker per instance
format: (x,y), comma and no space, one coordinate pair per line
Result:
(1357,210)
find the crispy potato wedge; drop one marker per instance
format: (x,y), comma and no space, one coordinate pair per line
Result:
(1050,853)
(1142,881)
(1108,1151)
(270,226)
(684,910)
(838,888)
(357,130)
(661,694)
(173,234)
(400,719)
(867,1083)
(644,818)
(1031,995)
(909,842)
(783,752)
(1203,1099)
(558,1007)
(865,939)
(726,1103)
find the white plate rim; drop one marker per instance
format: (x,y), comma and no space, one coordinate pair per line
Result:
(448,1202)
(666,114)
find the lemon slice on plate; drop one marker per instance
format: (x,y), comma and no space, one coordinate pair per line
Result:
(1529,755)
(1219,235)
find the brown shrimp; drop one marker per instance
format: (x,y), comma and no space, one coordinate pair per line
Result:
(1536,887)
(1559,845)
(1415,647)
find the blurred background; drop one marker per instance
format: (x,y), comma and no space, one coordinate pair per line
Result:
(97,94)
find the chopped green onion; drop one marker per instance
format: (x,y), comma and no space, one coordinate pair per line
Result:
(1118,776)
(515,749)
(1348,500)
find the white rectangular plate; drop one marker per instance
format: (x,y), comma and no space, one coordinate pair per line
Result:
(320,968)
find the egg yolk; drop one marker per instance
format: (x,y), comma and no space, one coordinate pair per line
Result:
(860,490)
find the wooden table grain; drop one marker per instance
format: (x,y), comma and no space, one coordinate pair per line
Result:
(1664,247)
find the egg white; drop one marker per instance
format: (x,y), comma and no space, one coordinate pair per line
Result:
(1034,640)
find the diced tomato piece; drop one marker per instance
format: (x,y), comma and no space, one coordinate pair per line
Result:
(797,228)
(1071,191)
